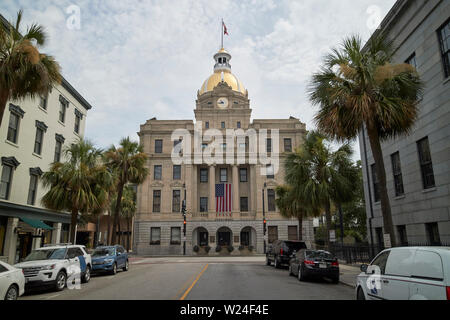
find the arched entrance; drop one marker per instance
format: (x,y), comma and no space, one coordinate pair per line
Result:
(224,237)
(200,237)
(248,237)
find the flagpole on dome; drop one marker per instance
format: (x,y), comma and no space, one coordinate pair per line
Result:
(222,33)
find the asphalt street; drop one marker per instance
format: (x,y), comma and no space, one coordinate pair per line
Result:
(200,279)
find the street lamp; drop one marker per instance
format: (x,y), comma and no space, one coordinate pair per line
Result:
(183,211)
(264,217)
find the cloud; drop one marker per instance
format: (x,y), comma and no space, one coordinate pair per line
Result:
(134,60)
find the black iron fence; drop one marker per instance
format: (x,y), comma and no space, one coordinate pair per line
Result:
(364,253)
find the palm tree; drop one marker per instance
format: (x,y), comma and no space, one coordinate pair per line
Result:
(359,88)
(128,162)
(79,185)
(24,71)
(290,206)
(128,210)
(317,179)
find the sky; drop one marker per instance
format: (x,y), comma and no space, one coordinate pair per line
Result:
(138,59)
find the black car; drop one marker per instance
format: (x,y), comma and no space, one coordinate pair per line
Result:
(280,252)
(314,263)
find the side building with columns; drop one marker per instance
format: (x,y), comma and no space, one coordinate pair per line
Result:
(237,221)
(33,134)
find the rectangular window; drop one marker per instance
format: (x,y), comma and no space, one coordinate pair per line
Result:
(58,150)
(243,175)
(5,185)
(13,128)
(155,236)
(397,172)
(287,145)
(158,146)
(238,124)
(43,101)
(177,172)
(433,234)
(32,190)
(222,125)
(207,124)
(156,200)
(223,175)
(269,145)
(292,233)
(271,200)
(157,172)
(175,235)
(272,233)
(176,198)
(203,175)
(403,238)
(77,124)
(444,40)
(62,111)
(412,60)
(426,165)
(38,141)
(376,184)
(270,172)
(244,204)
(203,204)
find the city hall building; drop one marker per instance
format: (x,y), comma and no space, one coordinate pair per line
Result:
(224,201)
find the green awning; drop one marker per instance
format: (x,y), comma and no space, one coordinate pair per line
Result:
(36,224)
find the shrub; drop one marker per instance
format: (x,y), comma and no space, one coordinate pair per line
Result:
(196,249)
(218,248)
(207,249)
(230,249)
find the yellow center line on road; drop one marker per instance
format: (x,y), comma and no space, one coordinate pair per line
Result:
(193,283)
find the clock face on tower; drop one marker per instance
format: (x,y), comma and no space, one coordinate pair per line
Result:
(222,103)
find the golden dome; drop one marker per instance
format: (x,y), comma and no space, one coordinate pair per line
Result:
(216,78)
(222,72)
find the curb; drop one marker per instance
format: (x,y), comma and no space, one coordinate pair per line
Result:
(347,284)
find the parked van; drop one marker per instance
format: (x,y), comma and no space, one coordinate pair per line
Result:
(410,273)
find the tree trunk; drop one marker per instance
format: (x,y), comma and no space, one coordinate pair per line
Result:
(108,235)
(128,235)
(328,220)
(120,234)
(4,95)
(73,225)
(300,227)
(117,212)
(381,174)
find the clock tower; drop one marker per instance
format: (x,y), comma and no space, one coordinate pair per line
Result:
(222,101)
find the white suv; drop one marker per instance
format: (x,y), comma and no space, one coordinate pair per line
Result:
(53,265)
(410,273)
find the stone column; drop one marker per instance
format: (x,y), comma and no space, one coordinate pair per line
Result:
(11,240)
(253,190)
(212,190)
(56,234)
(235,199)
(194,184)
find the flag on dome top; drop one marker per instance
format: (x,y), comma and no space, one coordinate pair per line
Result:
(225,30)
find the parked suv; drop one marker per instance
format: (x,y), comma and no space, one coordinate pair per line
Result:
(280,252)
(411,273)
(51,266)
(109,259)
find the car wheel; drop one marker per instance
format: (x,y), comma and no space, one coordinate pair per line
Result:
(290,271)
(360,295)
(114,270)
(87,275)
(61,279)
(125,268)
(275,263)
(301,275)
(12,293)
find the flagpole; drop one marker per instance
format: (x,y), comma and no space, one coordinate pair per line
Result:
(222,33)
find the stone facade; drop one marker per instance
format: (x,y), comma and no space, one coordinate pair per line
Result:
(422,209)
(222,104)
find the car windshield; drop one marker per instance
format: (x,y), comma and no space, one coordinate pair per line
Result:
(319,255)
(47,254)
(102,252)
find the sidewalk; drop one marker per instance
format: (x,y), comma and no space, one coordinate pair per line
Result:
(348,274)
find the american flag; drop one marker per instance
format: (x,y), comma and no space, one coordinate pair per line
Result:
(223,198)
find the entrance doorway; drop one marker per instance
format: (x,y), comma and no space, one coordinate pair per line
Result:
(224,237)
(24,245)
(203,239)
